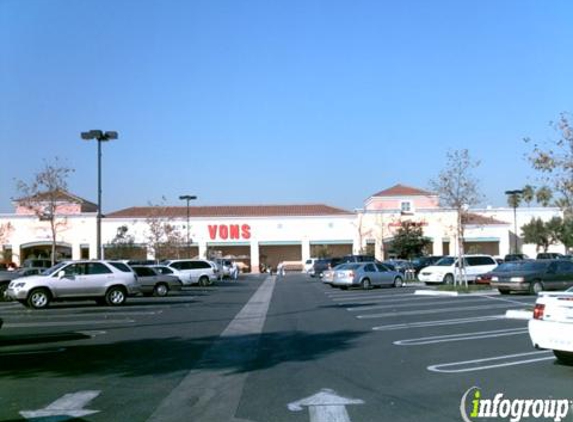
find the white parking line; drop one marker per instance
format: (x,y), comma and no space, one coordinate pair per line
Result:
(432,311)
(438,323)
(467,366)
(461,337)
(409,305)
(372,296)
(64,323)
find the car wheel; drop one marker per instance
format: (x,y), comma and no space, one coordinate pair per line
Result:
(448,279)
(564,357)
(161,290)
(38,299)
(115,296)
(535,288)
(366,285)
(203,281)
(398,282)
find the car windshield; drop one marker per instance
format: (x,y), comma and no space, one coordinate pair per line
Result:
(54,269)
(445,262)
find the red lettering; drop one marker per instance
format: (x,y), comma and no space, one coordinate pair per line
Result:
(223,231)
(212,232)
(234,231)
(246,231)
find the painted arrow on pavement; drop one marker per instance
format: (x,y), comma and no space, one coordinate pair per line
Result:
(69,406)
(325,406)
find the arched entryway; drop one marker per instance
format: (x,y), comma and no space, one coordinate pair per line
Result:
(34,250)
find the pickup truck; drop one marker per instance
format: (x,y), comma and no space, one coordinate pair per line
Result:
(552,325)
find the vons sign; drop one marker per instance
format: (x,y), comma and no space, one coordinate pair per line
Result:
(229,231)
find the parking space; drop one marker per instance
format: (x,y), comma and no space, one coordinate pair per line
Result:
(450,323)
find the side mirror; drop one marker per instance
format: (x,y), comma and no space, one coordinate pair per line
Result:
(61,274)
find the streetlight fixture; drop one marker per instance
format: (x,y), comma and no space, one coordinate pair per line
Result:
(100,136)
(188,198)
(514,197)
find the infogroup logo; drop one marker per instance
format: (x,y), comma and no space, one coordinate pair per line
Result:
(474,407)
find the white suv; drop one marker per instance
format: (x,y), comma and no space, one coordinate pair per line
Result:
(444,270)
(194,271)
(107,282)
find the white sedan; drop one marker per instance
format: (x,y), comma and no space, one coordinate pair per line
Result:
(552,324)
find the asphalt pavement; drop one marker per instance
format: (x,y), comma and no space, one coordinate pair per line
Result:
(267,349)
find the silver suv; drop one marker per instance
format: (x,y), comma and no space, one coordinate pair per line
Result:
(194,271)
(107,282)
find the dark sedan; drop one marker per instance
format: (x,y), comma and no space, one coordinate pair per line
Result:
(152,282)
(532,276)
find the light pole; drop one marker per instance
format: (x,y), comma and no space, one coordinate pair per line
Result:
(514,197)
(99,136)
(188,198)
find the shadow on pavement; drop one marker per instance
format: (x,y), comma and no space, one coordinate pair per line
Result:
(134,358)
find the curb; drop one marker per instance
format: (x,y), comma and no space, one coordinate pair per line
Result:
(519,314)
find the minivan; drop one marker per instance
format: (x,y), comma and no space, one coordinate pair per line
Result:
(194,271)
(444,270)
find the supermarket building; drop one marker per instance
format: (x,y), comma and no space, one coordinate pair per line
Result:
(269,234)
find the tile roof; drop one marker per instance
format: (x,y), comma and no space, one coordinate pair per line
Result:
(231,211)
(480,220)
(59,195)
(403,190)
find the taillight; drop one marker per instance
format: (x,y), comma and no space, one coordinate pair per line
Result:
(538,311)
(351,274)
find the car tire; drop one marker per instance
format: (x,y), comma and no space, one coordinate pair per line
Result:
(564,357)
(38,298)
(398,282)
(448,279)
(535,287)
(115,296)
(203,281)
(3,288)
(161,290)
(366,284)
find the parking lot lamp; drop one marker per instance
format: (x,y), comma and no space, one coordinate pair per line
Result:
(514,198)
(100,136)
(188,198)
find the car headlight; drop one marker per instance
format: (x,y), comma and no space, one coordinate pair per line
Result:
(18,285)
(517,279)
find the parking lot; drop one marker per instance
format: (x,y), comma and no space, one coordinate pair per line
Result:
(390,353)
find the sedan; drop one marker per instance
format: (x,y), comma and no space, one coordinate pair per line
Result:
(151,282)
(366,275)
(533,276)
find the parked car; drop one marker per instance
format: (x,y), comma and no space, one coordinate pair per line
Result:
(552,324)
(357,258)
(533,276)
(400,265)
(107,282)
(365,275)
(37,263)
(152,282)
(549,255)
(425,261)
(308,264)
(515,257)
(7,276)
(444,270)
(322,265)
(194,271)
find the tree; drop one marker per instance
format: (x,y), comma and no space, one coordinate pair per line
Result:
(43,196)
(409,240)
(554,162)
(536,232)
(164,239)
(6,230)
(528,194)
(458,189)
(122,245)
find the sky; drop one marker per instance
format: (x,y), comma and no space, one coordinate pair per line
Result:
(278,102)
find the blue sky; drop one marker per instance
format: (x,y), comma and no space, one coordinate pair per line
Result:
(278,102)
